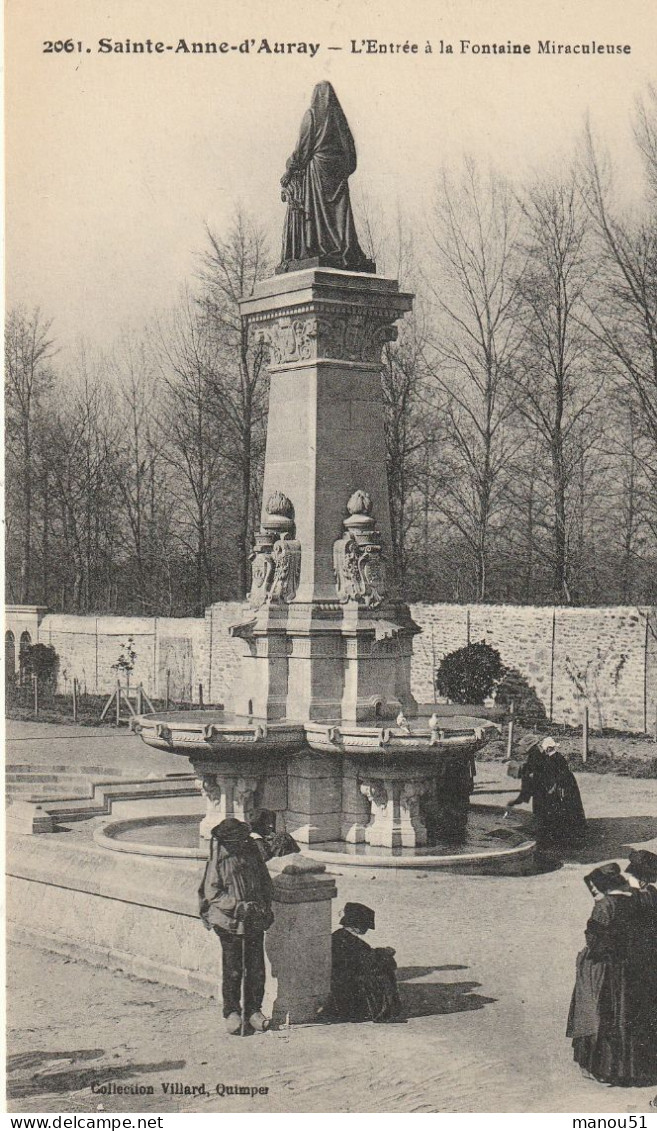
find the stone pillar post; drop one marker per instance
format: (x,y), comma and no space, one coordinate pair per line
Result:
(298,944)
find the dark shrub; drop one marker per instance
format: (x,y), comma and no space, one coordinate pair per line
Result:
(469,674)
(515,689)
(41,660)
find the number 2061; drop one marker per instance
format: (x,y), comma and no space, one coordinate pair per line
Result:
(57,45)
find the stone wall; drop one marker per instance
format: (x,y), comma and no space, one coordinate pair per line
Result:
(604,657)
(88,647)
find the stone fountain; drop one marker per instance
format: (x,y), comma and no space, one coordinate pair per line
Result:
(323,727)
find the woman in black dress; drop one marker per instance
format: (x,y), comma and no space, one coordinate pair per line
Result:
(602,1022)
(548,782)
(363,982)
(643,960)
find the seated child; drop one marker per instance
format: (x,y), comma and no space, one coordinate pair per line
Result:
(363,983)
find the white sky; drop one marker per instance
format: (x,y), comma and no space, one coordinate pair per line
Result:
(114,163)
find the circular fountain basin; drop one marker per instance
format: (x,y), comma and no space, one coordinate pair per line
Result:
(488,843)
(223,734)
(456,733)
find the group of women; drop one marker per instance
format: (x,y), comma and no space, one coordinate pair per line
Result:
(613,1012)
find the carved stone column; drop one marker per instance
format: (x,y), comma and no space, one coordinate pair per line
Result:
(226,795)
(215,804)
(380,830)
(323,331)
(395,820)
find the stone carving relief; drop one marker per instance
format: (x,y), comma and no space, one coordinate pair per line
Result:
(341,335)
(377,795)
(360,572)
(276,555)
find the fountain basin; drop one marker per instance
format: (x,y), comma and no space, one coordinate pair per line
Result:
(220,734)
(487,844)
(457,733)
(224,735)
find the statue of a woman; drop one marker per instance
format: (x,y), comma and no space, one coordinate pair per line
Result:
(319,224)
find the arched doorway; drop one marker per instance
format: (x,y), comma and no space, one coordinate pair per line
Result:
(10,657)
(25,643)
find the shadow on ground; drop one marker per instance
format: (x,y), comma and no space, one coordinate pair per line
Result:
(21,1061)
(426,999)
(74,1079)
(609,837)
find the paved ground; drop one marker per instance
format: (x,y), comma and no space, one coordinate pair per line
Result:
(486,971)
(50,744)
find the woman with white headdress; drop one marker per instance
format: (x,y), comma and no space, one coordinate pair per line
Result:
(549,783)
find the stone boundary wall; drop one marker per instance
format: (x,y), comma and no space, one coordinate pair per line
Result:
(88,647)
(603,657)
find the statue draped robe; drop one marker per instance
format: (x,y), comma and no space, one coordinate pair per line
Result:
(319,223)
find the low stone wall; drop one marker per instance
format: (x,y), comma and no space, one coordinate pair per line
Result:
(139,914)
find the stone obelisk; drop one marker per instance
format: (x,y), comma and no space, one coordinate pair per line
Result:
(328,639)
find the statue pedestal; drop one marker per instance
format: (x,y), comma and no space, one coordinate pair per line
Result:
(321,648)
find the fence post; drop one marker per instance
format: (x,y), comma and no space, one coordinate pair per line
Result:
(509,742)
(35,684)
(200,695)
(168,687)
(118,702)
(140,697)
(585,735)
(75,700)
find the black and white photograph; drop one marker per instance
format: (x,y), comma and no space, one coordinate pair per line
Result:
(331,558)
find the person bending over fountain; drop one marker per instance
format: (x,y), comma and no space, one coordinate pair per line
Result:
(548,782)
(363,982)
(235,902)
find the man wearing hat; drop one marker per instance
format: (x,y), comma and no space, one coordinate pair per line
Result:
(235,902)
(363,982)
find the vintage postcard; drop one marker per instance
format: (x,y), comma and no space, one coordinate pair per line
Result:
(331,558)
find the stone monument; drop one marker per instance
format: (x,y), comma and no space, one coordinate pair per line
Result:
(328,641)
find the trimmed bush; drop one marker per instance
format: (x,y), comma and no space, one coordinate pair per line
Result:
(41,660)
(470,674)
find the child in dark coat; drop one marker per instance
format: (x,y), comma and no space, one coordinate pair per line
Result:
(363,982)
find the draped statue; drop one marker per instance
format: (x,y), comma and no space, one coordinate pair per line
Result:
(319,225)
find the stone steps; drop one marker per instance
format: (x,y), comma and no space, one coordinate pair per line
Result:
(41,780)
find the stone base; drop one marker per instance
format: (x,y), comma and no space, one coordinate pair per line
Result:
(26,818)
(84,902)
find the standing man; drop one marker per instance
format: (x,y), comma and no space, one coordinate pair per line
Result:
(235,902)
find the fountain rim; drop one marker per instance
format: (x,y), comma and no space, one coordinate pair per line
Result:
(103,838)
(186,736)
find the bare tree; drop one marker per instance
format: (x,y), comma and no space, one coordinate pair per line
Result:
(138,470)
(474,279)
(555,383)
(80,432)
(231,266)
(29,350)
